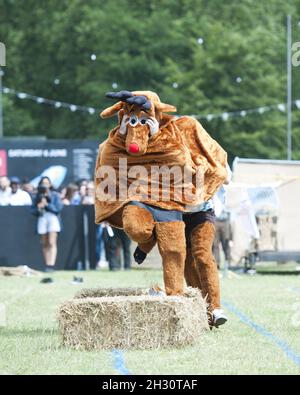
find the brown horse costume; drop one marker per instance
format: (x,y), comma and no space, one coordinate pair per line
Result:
(147,137)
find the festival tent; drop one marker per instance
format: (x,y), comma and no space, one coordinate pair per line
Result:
(263,201)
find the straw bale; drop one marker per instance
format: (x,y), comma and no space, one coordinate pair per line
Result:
(131,318)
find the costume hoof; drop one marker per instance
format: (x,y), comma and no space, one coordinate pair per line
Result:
(139,255)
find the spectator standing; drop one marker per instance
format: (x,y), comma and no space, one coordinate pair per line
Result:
(47,206)
(112,248)
(71,195)
(89,197)
(17,196)
(100,247)
(125,244)
(82,184)
(115,238)
(27,187)
(5,191)
(222,238)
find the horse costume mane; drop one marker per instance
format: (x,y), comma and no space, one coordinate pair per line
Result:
(147,136)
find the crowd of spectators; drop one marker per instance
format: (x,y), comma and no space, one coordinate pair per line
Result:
(14,192)
(109,243)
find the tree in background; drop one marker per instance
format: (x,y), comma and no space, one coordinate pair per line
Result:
(202,56)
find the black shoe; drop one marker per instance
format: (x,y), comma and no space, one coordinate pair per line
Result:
(139,255)
(46,280)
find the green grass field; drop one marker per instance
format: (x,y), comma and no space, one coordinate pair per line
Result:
(30,341)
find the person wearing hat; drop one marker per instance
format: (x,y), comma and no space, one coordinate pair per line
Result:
(18,197)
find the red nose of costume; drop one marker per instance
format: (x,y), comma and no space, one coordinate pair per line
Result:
(133,148)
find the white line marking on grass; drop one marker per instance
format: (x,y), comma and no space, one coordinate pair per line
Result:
(291,354)
(293,289)
(119,362)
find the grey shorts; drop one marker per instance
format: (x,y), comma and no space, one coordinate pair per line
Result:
(159,214)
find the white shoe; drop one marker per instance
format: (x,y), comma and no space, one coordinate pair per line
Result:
(219,318)
(102,264)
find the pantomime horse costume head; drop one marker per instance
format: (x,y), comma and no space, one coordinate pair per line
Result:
(148,137)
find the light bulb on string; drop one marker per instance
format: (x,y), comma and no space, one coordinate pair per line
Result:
(225,116)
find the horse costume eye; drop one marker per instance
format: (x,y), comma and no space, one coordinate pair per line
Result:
(133,120)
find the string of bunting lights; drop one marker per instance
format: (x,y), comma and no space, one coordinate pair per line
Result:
(208,117)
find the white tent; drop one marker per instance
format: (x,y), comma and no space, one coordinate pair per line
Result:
(269,188)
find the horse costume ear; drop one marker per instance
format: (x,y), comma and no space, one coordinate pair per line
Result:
(142,99)
(163,107)
(111,111)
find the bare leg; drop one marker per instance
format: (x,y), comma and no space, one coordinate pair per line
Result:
(52,244)
(171,244)
(45,249)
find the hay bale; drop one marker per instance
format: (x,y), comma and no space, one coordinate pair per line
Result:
(100,292)
(131,319)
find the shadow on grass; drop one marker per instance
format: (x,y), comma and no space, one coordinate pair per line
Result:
(279,272)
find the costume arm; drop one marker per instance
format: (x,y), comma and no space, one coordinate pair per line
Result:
(215,155)
(208,156)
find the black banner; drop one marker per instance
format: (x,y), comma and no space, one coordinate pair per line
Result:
(62,161)
(20,245)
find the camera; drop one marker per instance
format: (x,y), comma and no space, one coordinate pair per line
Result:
(42,193)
